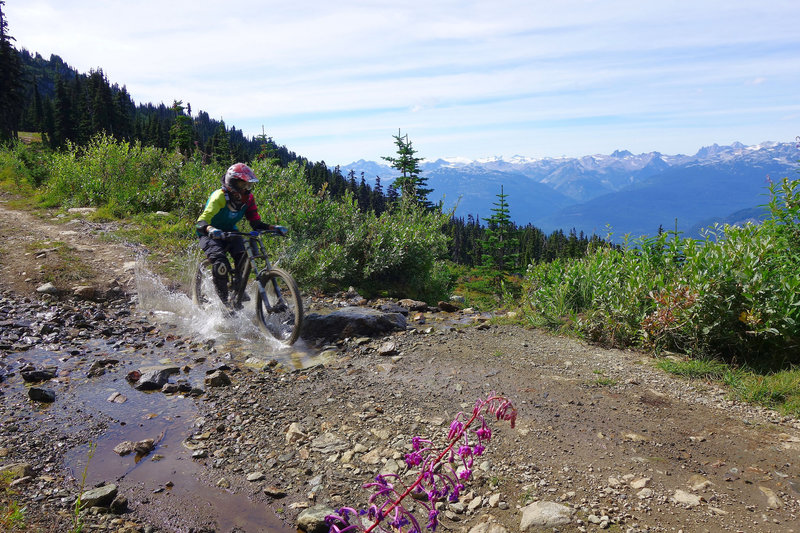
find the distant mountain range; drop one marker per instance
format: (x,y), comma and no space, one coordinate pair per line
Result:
(628,193)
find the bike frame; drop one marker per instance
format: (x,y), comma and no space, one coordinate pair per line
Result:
(256,251)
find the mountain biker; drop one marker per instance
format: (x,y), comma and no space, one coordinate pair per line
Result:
(225,207)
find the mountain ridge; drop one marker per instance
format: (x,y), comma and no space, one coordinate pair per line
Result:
(633,193)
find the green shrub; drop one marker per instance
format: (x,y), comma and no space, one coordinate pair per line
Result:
(333,245)
(734,294)
(127,178)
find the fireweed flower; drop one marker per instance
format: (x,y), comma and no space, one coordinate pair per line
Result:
(437,479)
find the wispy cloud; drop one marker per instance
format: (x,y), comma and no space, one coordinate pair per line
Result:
(334,80)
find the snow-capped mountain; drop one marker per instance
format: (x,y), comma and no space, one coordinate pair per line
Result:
(632,193)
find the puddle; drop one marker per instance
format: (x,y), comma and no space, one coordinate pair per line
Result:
(167,477)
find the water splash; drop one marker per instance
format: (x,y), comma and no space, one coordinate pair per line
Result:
(211,321)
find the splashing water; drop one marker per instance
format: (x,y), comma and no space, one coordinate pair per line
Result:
(238,332)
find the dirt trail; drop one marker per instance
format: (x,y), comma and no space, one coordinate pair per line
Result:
(601,432)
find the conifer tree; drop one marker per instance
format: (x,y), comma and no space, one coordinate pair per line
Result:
(410,184)
(180,133)
(10,82)
(378,199)
(501,247)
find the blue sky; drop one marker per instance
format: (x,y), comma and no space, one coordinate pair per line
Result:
(334,81)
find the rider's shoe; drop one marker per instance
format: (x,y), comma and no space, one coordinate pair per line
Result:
(245,297)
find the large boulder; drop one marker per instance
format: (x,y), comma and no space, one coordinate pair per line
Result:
(352,322)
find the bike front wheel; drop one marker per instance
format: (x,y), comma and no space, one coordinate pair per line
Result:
(278,305)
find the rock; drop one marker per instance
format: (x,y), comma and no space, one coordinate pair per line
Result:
(448,307)
(685,498)
(124,448)
(100,497)
(640,483)
(545,514)
(143,447)
(41,395)
(17,470)
(275,492)
(312,520)
(699,482)
(47,288)
(458,299)
(36,376)
(773,501)
(155,377)
(87,292)
(119,505)
(255,476)
(352,322)
(413,305)
(328,443)
(295,433)
(645,494)
(488,525)
(217,378)
(387,348)
(393,308)
(81,210)
(117,398)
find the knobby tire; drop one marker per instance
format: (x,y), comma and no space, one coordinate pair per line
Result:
(282,318)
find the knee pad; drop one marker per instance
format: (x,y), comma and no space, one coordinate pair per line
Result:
(220,269)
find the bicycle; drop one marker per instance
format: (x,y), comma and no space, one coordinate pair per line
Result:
(279,308)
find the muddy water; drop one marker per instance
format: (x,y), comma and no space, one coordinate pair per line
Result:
(168,478)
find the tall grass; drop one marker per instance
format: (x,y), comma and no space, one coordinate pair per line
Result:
(734,294)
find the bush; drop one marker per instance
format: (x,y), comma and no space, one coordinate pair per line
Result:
(127,178)
(333,245)
(734,294)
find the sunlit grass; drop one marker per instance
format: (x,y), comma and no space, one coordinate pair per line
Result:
(779,390)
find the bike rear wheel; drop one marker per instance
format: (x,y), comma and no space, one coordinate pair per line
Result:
(281,313)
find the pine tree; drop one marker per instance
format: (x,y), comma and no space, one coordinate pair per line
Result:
(364,195)
(378,199)
(11,86)
(221,151)
(501,247)
(409,183)
(180,134)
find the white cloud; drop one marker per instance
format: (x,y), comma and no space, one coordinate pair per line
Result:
(334,80)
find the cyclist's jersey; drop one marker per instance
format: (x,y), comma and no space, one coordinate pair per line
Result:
(217,212)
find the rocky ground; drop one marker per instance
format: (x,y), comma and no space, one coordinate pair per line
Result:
(603,439)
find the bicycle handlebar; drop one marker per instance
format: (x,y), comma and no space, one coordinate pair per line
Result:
(255,233)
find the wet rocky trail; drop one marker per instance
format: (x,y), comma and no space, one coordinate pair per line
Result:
(199,426)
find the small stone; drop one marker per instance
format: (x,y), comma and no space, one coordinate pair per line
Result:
(47,288)
(124,448)
(41,395)
(685,498)
(255,476)
(217,379)
(274,492)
